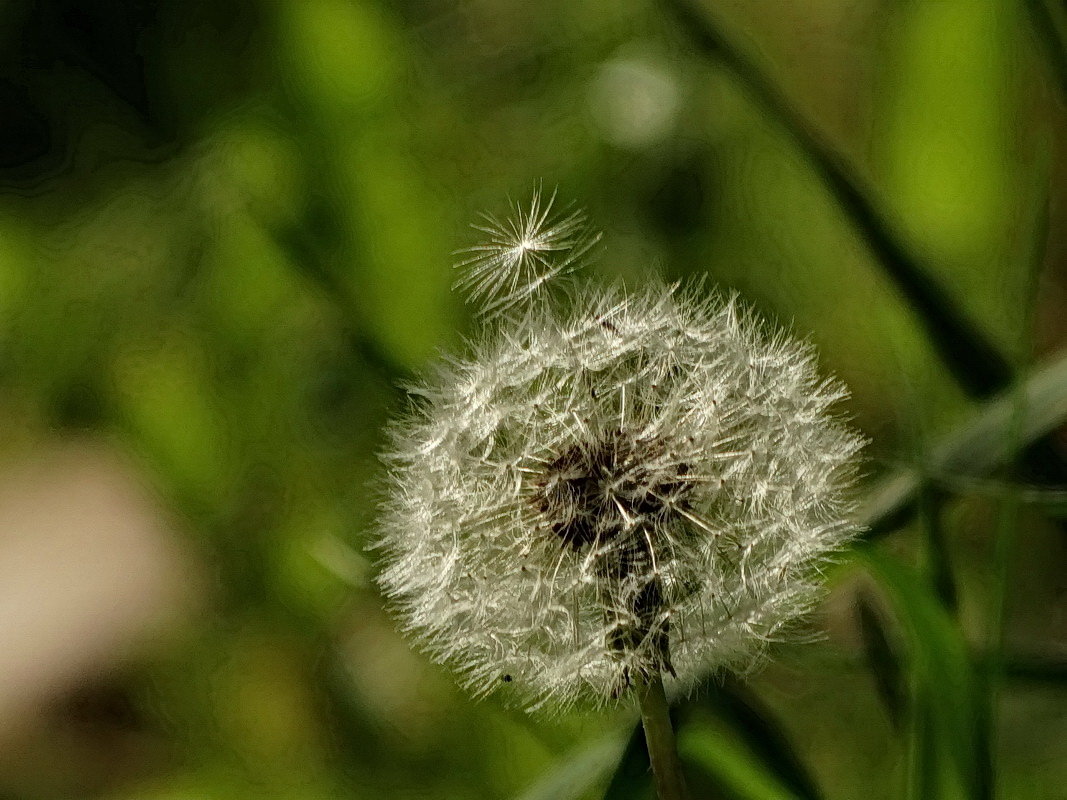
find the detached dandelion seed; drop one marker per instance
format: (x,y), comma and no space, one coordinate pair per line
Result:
(639,487)
(523,253)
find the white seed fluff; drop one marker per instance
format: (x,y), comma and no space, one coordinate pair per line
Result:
(645,483)
(522,254)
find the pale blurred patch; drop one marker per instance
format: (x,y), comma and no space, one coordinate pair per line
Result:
(635,99)
(89,571)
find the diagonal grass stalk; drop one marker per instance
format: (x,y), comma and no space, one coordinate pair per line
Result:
(964,347)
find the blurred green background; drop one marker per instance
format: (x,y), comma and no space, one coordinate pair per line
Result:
(226,235)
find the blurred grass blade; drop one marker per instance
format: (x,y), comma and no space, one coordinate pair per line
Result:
(945,714)
(1007,532)
(1050,502)
(922,756)
(938,563)
(305,256)
(1038,670)
(715,750)
(974,361)
(884,660)
(632,779)
(576,776)
(977,447)
(1051,40)
(754,726)
(755,746)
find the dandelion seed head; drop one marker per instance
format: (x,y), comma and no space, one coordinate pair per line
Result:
(645,483)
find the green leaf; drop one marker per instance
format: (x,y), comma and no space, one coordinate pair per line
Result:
(944,689)
(578,775)
(984,442)
(965,349)
(884,660)
(1048,34)
(717,751)
(739,710)
(1038,670)
(632,778)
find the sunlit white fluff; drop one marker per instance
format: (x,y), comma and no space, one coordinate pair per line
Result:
(522,254)
(645,483)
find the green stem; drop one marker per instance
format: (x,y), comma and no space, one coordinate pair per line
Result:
(659,736)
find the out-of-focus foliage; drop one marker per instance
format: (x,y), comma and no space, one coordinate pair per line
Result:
(225,239)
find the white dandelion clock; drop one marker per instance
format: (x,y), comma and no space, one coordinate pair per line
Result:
(644,484)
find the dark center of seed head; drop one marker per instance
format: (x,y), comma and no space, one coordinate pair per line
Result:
(617,483)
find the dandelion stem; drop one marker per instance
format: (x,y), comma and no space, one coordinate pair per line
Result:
(659,736)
